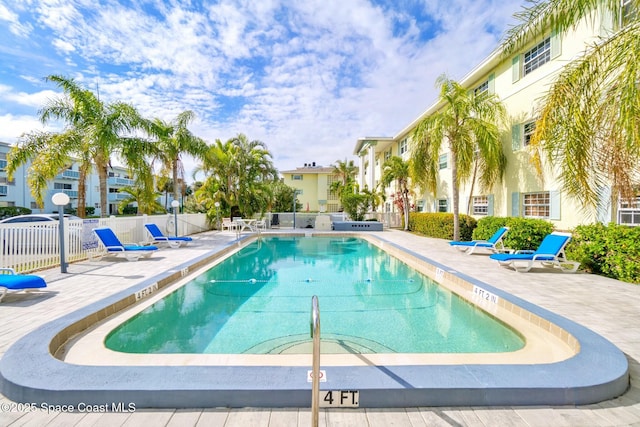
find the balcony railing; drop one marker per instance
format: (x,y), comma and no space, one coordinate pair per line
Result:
(120,182)
(69,174)
(116,197)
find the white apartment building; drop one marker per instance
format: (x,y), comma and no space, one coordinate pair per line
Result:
(518,80)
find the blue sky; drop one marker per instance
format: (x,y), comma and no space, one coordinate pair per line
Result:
(305,77)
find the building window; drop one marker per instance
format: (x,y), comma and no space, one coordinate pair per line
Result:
(480,205)
(404,146)
(483,89)
(528,130)
(537,56)
(61,186)
(629,212)
(536,205)
(442,161)
(387,155)
(443,205)
(33,205)
(296,177)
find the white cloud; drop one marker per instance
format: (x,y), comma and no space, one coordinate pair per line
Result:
(307,78)
(12,127)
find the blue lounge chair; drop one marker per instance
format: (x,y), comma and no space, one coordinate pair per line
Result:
(10,281)
(494,244)
(549,254)
(112,244)
(158,237)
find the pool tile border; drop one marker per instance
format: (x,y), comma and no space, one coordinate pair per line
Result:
(598,371)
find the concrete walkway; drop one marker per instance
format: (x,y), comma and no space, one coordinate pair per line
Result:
(608,307)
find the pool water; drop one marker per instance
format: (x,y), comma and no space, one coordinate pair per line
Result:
(258,301)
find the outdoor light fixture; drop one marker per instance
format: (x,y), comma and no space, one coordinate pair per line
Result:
(174,205)
(217,205)
(61,200)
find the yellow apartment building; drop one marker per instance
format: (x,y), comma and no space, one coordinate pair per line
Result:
(313,185)
(519,80)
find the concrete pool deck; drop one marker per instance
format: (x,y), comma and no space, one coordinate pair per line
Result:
(608,307)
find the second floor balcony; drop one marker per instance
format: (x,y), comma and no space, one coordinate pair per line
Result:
(116,197)
(114,181)
(69,174)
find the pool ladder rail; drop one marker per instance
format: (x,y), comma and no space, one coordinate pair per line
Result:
(315,373)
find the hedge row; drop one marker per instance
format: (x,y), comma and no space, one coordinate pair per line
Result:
(8,211)
(608,250)
(524,233)
(440,225)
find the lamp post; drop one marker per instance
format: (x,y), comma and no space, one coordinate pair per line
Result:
(295,195)
(174,205)
(217,205)
(61,200)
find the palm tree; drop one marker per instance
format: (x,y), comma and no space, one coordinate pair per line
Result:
(147,200)
(346,173)
(94,130)
(51,154)
(174,140)
(470,124)
(589,121)
(239,174)
(397,170)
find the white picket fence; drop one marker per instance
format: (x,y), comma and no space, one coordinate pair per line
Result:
(34,246)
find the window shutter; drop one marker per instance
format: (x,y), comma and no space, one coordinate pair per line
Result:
(515,69)
(515,204)
(449,204)
(492,84)
(603,212)
(554,205)
(490,207)
(556,45)
(516,137)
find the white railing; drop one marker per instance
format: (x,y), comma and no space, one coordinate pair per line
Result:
(34,246)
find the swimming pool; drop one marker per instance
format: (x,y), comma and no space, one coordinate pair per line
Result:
(257,302)
(561,363)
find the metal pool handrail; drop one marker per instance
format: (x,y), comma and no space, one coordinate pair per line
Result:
(315,373)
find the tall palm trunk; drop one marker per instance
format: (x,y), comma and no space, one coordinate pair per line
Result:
(102,180)
(82,189)
(455,194)
(174,170)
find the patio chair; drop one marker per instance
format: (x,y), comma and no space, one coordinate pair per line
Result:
(494,244)
(228,224)
(10,281)
(114,247)
(549,254)
(158,237)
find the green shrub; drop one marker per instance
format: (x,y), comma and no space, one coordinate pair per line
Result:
(487,226)
(9,211)
(524,233)
(440,225)
(612,250)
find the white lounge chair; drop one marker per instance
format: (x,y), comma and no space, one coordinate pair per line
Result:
(549,254)
(494,244)
(112,244)
(10,281)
